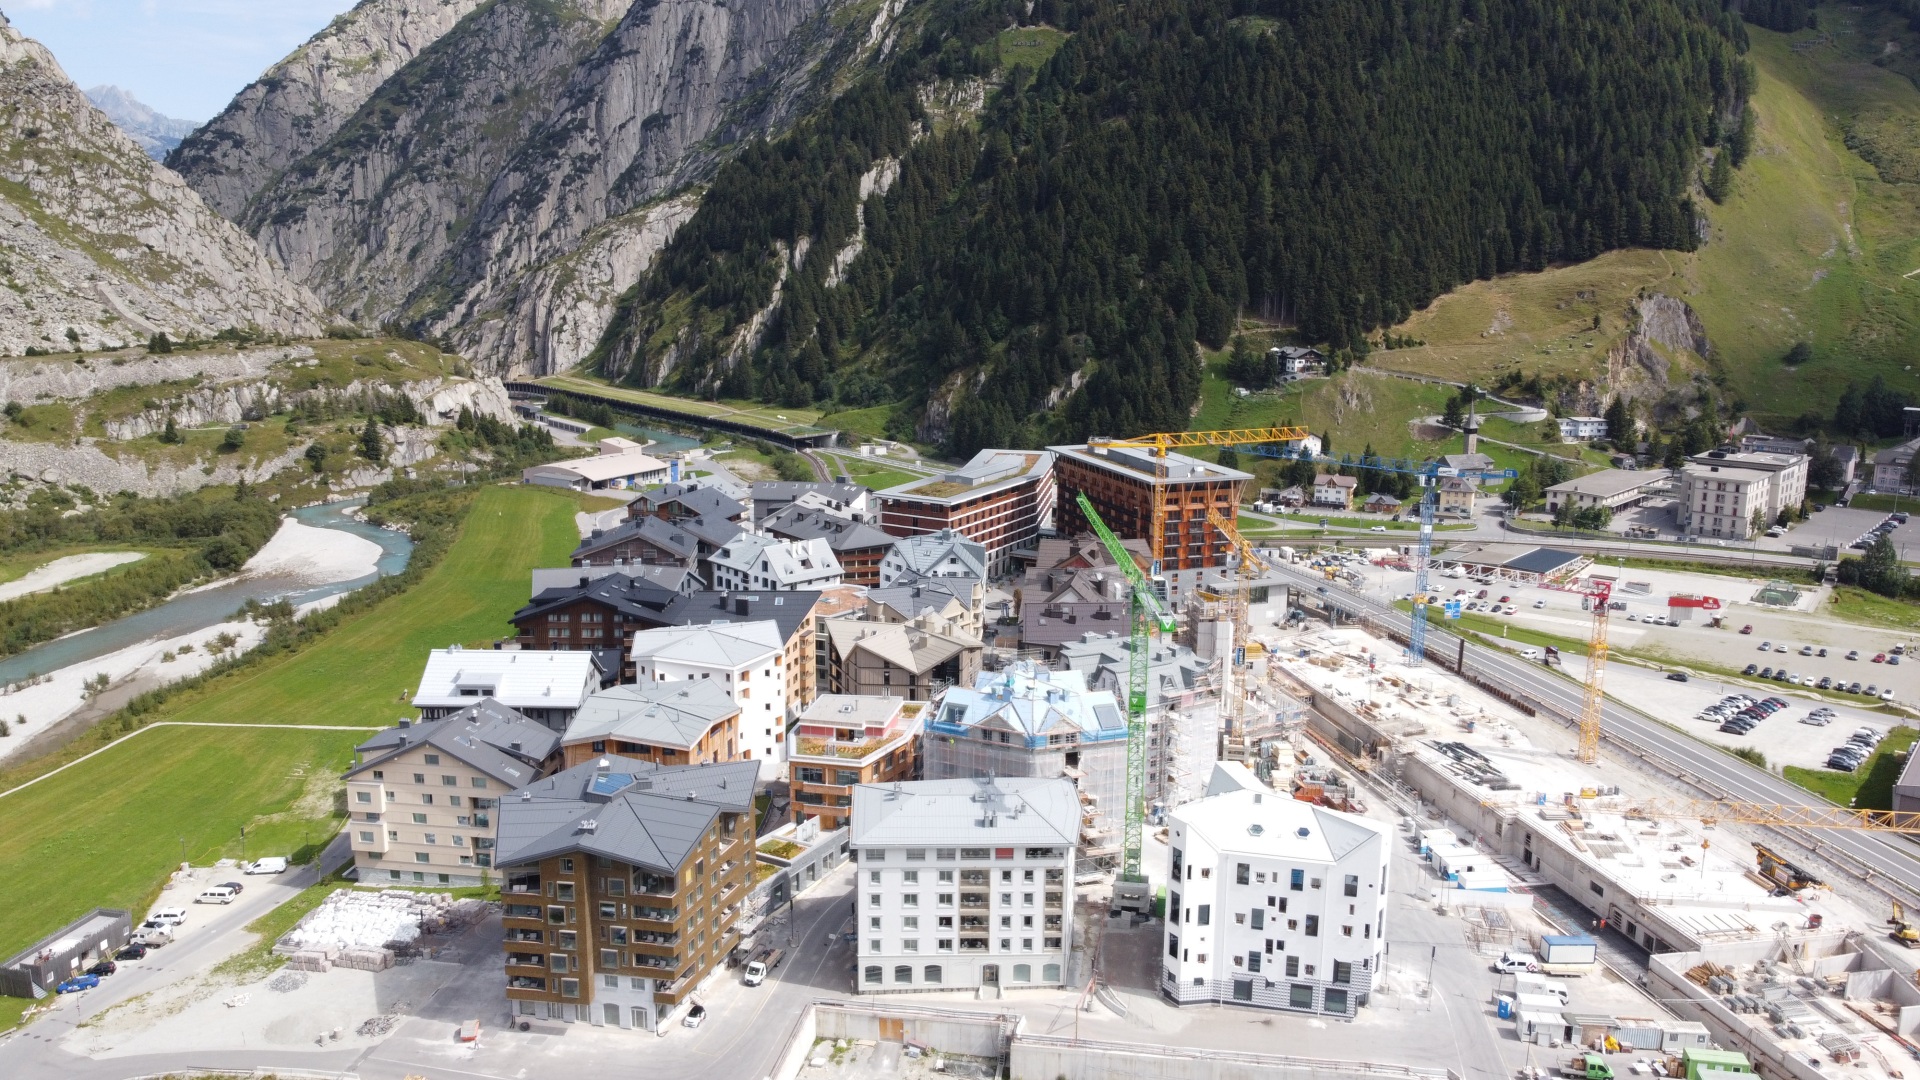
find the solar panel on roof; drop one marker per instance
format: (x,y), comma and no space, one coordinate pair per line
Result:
(1541,561)
(610,783)
(1109,718)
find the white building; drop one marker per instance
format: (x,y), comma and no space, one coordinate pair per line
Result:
(1334,490)
(769,563)
(547,686)
(1789,471)
(621,463)
(1722,492)
(1273,903)
(747,659)
(964,883)
(947,553)
(1582,428)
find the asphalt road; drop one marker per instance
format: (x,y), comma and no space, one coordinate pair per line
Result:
(1887,858)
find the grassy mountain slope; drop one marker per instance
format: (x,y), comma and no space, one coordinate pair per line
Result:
(1813,244)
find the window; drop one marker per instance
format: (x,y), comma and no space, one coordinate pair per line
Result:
(480,781)
(1050,973)
(946,877)
(1177,855)
(946,944)
(1243,989)
(1342,972)
(556,915)
(426,800)
(557,963)
(1173,946)
(910,922)
(1300,996)
(1336,1002)
(911,899)
(1173,908)
(946,899)
(877,855)
(873,923)
(1026,899)
(1259,918)
(1253,960)
(1023,973)
(609,911)
(903,973)
(918,854)
(432,838)
(1353,885)
(366,837)
(610,958)
(419,819)
(433,759)
(563,890)
(1297,880)
(930,974)
(1241,873)
(871,974)
(1346,931)
(363,796)
(1203,915)
(570,988)
(419,778)
(910,945)
(873,944)
(1594,886)
(910,877)
(1006,944)
(449,781)
(421,856)
(873,878)
(1293,967)
(1313,926)
(945,853)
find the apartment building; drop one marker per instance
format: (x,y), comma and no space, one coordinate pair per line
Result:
(848,502)
(903,659)
(621,886)
(837,603)
(790,612)
(548,687)
(1273,903)
(654,541)
(591,613)
(747,660)
(1724,501)
(1789,471)
(946,553)
(951,605)
(769,563)
(693,499)
(1582,428)
(964,883)
(1183,705)
(1614,489)
(665,723)
(1031,722)
(422,797)
(842,741)
(1121,484)
(857,546)
(1332,489)
(1001,500)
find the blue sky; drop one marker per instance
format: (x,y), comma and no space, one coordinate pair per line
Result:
(186,58)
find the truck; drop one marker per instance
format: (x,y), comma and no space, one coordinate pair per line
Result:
(1589,1067)
(1568,954)
(761,966)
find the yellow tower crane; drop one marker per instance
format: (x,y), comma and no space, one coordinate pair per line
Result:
(1158,445)
(1599,592)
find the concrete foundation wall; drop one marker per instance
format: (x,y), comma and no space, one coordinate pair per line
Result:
(1036,1057)
(1689,1001)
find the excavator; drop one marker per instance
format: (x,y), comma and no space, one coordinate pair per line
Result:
(1903,931)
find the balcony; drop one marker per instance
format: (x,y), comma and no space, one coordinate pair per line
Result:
(974,925)
(973,877)
(973,944)
(526,960)
(1053,900)
(662,916)
(526,982)
(525,936)
(657,963)
(520,911)
(973,899)
(841,749)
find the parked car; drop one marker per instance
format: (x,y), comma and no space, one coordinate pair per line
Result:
(1879,658)
(1539,603)
(77,984)
(1782,647)
(1806,650)
(1750,669)
(1872,690)
(1826,682)
(104,967)
(1853,687)
(1676,676)
(133,950)
(270,865)
(695,1016)
(1375,528)
(1506,599)
(1853,654)
(1747,629)
(1765,672)
(237,887)
(1823,651)
(1766,646)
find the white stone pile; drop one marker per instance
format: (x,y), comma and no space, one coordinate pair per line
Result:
(350,921)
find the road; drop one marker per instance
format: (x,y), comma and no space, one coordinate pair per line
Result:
(1886,858)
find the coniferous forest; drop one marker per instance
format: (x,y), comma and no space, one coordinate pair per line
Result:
(1330,165)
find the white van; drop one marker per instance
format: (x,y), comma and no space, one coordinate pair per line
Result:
(1516,963)
(219,894)
(1529,654)
(1531,985)
(273,864)
(168,916)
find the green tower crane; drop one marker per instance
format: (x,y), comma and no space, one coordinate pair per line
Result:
(1147,613)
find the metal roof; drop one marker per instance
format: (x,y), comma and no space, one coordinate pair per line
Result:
(718,646)
(632,811)
(789,610)
(488,736)
(986,812)
(1542,561)
(1032,704)
(519,678)
(1271,825)
(669,713)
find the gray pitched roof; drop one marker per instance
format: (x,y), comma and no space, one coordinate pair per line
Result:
(788,610)
(924,594)
(1007,810)
(488,736)
(631,811)
(665,535)
(669,714)
(622,593)
(799,523)
(695,498)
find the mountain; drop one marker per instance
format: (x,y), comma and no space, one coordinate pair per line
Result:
(502,184)
(155,133)
(101,245)
(301,101)
(1020,228)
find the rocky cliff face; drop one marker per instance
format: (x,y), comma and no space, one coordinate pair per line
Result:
(101,245)
(504,186)
(301,101)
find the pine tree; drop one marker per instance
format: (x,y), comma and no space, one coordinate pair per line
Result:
(1620,426)
(371,446)
(1719,180)
(171,434)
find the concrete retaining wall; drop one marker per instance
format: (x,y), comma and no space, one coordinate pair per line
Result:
(1039,1057)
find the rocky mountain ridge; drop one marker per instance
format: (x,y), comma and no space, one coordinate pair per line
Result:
(156,133)
(102,246)
(502,185)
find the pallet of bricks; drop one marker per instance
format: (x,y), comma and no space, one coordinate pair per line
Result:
(364,931)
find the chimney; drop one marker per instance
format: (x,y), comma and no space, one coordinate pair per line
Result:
(739,605)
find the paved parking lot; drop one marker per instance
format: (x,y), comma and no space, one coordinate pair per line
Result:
(1841,526)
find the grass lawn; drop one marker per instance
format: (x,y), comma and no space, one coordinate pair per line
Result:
(1355,409)
(877,475)
(106,832)
(773,417)
(1859,605)
(1869,787)
(871,422)
(1496,630)
(1031,46)
(1884,502)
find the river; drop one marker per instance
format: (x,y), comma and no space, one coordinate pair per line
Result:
(202,608)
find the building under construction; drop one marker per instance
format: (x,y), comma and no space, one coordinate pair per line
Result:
(1027,721)
(1183,709)
(1123,482)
